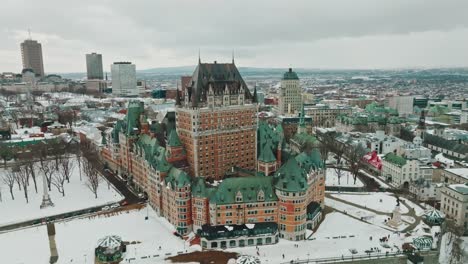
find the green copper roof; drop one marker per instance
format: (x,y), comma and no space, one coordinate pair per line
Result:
(395,159)
(116,131)
(153,152)
(266,153)
(290,177)
(177,178)
(131,120)
(290,75)
(248,189)
(311,160)
(173,140)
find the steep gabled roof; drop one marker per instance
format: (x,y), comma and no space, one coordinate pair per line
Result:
(290,177)
(177,178)
(310,160)
(248,187)
(266,153)
(173,140)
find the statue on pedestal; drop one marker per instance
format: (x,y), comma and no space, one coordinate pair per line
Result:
(395,222)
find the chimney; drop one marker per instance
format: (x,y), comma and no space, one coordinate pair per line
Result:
(290,69)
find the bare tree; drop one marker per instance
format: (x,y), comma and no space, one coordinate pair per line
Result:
(9,179)
(23,178)
(79,158)
(48,168)
(339,150)
(66,167)
(325,147)
(31,169)
(58,180)
(453,242)
(93,178)
(355,154)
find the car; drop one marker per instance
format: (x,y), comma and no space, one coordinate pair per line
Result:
(124,203)
(105,208)
(116,205)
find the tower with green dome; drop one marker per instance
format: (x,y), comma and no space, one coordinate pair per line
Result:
(290,99)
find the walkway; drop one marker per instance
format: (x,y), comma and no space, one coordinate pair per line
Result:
(411,213)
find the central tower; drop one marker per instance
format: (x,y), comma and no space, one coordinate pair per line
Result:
(216,120)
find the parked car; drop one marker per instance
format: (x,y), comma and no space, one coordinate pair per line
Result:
(116,205)
(105,208)
(353,251)
(123,203)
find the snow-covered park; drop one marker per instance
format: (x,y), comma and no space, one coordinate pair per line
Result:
(336,235)
(76,239)
(77,196)
(346,179)
(382,202)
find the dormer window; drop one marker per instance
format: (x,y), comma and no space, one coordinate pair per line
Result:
(239,196)
(261,196)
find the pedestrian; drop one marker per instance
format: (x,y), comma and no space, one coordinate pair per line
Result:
(159,247)
(283,256)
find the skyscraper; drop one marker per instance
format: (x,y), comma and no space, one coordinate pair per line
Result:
(124,81)
(216,121)
(31,54)
(290,99)
(94,66)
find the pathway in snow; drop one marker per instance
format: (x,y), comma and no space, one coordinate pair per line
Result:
(372,212)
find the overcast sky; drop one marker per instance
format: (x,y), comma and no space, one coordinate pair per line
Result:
(270,33)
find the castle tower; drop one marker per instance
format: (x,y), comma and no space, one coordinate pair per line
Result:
(174,148)
(216,121)
(291,188)
(267,162)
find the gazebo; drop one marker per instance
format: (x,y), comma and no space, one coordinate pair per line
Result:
(433,217)
(109,249)
(424,242)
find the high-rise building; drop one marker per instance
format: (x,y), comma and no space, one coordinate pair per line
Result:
(216,121)
(290,99)
(124,81)
(31,54)
(94,66)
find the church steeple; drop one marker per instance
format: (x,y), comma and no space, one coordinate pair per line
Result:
(255,99)
(301,128)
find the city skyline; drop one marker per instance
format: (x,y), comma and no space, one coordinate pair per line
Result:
(323,34)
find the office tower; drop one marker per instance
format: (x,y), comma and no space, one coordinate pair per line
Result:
(290,99)
(216,121)
(31,54)
(94,66)
(124,81)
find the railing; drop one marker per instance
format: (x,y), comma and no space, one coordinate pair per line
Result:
(351,258)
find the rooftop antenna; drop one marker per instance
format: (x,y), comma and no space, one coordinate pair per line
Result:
(29,33)
(232,56)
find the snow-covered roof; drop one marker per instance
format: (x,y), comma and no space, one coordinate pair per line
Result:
(463,172)
(110,242)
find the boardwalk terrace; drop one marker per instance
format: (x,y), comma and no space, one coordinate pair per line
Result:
(216,120)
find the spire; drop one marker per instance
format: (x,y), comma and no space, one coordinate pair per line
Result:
(232,56)
(254,99)
(29,33)
(199,59)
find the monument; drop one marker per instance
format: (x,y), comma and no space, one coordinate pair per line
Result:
(395,221)
(46,201)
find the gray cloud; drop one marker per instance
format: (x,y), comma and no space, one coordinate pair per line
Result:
(302,33)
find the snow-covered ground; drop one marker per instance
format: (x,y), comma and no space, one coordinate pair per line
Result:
(365,215)
(346,179)
(77,238)
(382,202)
(327,243)
(446,256)
(77,196)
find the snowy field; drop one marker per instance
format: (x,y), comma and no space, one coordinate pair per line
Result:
(382,202)
(77,196)
(365,215)
(327,243)
(76,239)
(346,179)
